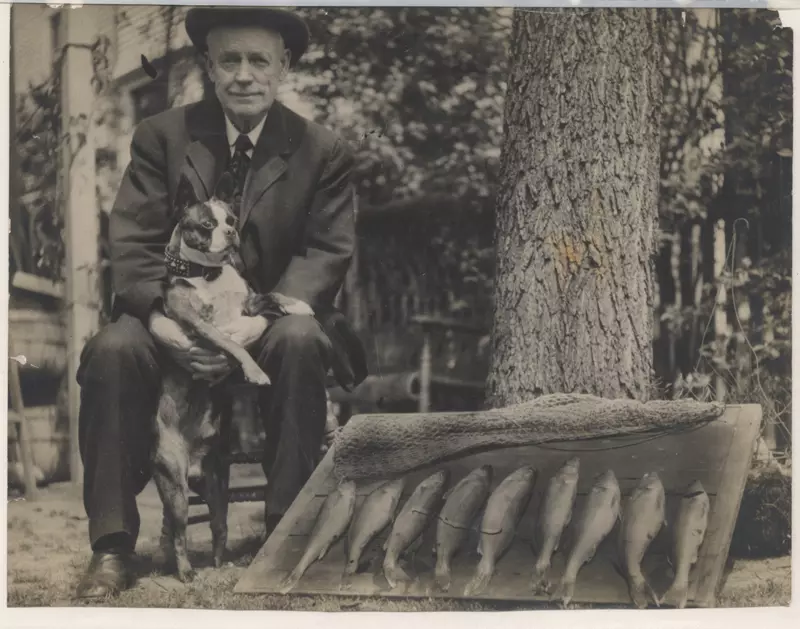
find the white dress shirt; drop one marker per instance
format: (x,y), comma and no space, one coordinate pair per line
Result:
(234,133)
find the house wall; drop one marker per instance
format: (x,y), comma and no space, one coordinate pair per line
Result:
(133,31)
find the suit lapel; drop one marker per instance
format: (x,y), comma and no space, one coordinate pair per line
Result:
(277,141)
(207,154)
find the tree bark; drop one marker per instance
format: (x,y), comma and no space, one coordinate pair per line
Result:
(577,206)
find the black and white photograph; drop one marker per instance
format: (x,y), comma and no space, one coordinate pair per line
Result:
(400,308)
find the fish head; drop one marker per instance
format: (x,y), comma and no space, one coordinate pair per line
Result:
(347,488)
(695,488)
(525,473)
(573,464)
(438,478)
(651,481)
(606,480)
(571,469)
(485,471)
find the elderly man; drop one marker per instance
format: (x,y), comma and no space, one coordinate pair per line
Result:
(295,207)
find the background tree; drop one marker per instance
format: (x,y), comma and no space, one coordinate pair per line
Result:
(577,206)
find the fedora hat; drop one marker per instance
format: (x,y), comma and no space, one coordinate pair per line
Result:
(199,21)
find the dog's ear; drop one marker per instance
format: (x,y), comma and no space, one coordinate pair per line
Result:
(226,188)
(185,196)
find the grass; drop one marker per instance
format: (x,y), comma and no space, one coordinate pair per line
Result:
(47,553)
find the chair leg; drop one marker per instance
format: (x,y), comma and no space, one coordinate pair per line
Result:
(15,389)
(425,374)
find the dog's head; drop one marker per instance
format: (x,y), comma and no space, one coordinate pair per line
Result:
(207,227)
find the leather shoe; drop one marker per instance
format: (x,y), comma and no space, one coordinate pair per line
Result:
(107,575)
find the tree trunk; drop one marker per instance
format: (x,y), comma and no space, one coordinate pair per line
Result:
(577,206)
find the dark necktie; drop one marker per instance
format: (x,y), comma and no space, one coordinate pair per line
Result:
(238,167)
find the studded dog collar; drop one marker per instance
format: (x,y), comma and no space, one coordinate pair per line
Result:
(179,267)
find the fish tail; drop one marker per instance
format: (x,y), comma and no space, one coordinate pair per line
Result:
(351,567)
(393,572)
(442,572)
(483,574)
(539,571)
(291,580)
(638,588)
(565,591)
(677,594)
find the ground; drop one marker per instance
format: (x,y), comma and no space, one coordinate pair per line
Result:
(47,553)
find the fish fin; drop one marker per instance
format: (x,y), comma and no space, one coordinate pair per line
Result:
(442,574)
(653,596)
(678,594)
(414,546)
(394,573)
(385,544)
(323,552)
(483,575)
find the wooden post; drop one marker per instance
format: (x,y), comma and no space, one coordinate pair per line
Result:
(351,281)
(720,315)
(425,369)
(78,30)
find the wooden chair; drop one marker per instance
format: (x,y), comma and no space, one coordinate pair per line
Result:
(245,446)
(451,358)
(451,363)
(16,416)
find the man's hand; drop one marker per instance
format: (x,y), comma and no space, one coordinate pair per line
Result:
(245,331)
(202,363)
(291,306)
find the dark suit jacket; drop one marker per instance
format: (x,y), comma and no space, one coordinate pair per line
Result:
(297,218)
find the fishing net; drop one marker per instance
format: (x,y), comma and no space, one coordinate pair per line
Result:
(385,445)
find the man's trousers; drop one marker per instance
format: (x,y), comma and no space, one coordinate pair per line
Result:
(120,379)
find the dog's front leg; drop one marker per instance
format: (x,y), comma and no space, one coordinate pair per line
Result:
(184,305)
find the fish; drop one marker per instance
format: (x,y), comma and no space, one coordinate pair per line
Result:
(375,514)
(642,519)
(555,514)
(503,511)
(331,524)
(420,508)
(598,516)
(688,534)
(461,506)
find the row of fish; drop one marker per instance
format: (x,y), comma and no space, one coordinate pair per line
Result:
(641,519)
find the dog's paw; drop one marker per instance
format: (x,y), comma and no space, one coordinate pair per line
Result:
(187,575)
(256,376)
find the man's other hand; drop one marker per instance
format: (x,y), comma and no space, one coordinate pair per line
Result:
(245,331)
(202,363)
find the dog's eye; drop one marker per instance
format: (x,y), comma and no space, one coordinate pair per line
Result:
(208,225)
(231,221)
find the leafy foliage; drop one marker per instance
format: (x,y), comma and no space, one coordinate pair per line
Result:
(418,90)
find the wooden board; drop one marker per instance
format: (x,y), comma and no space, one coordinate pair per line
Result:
(717,453)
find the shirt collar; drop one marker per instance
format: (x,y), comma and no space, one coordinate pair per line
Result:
(233,133)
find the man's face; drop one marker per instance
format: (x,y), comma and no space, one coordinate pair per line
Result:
(246,66)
